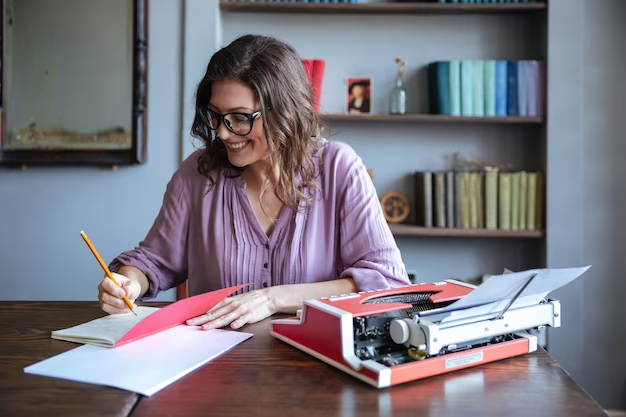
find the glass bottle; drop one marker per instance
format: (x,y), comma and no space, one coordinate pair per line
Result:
(397,98)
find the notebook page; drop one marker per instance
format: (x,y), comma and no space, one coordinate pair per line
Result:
(104,331)
(144,366)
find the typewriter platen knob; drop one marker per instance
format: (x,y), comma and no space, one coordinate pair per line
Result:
(399,331)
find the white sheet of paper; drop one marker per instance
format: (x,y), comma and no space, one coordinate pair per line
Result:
(144,366)
(493,295)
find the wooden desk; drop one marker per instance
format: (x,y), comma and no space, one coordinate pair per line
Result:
(25,339)
(264,376)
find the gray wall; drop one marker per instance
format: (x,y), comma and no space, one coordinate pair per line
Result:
(586,153)
(71,65)
(43,210)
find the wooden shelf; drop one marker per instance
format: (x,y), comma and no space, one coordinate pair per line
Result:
(380,8)
(409,230)
(429,118)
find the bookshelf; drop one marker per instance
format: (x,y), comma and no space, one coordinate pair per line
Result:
(428,118)
(410,230)
(396,145)
(380,8)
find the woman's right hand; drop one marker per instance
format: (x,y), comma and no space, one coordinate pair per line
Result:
(112,297)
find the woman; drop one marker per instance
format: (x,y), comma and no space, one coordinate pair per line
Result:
(267,201)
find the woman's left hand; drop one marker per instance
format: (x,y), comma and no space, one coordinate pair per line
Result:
(237,310)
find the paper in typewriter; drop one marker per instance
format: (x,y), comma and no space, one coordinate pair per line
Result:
(492,296)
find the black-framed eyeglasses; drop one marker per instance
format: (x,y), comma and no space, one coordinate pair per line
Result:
(238,123)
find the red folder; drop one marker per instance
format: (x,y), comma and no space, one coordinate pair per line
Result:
(176,314)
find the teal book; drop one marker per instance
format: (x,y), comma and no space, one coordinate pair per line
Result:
(490,88)
(455,88)
(439,87)
(467,86)
(511,88)
(478,89)
(443,78)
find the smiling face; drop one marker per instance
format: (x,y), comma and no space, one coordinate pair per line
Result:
(358,91)
(230,96)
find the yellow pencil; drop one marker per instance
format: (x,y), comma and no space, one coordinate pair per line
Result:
(106,270)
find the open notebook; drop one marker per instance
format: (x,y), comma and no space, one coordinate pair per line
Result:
(118,329)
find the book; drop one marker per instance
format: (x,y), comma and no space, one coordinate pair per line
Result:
(118,329)
(440,199)
(450,204)
(454,86)
(467,87)
(504,197)
(478,89)
(491,199)
(490,88)
(423,184)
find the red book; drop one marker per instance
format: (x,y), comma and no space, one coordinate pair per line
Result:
(314,69)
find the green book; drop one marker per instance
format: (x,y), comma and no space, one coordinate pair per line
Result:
(523,192)
(465,200)
(491,199)
(480,180)
(531,200)
(539,206)
(515,200)
(473,200)
(505,201)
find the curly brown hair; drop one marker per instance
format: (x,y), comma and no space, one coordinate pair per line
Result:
(274,71)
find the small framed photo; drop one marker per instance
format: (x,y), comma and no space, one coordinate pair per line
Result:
(359,95)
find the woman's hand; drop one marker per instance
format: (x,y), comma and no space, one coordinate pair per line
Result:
(237,310)
(112,297)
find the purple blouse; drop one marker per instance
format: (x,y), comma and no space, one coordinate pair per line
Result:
(214,240)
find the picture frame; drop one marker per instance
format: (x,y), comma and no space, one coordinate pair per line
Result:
(359,95)
(89,103)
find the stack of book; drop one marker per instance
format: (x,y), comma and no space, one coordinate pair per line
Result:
(486,88)
(490,199)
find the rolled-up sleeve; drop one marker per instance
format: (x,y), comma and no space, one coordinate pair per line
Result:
(368,250)
(162,255)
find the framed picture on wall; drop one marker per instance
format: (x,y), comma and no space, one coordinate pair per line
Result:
(359,95)
(76,92)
